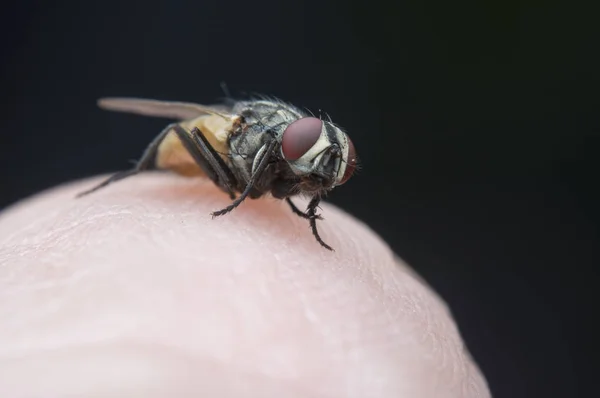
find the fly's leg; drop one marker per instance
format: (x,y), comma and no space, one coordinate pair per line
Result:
(311,212)
(208,159)
(312,217)
(145,162)
(299,212)
(198,147)
(262,165)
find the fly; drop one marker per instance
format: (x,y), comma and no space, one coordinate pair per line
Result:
(247,148)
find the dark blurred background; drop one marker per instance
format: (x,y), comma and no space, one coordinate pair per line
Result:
(476,122)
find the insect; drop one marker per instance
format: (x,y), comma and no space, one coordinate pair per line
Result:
(250,148)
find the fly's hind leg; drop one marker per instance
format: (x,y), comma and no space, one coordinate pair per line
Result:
(145,162)
(113,178)
(196,145)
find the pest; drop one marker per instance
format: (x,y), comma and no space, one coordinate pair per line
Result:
(251,148)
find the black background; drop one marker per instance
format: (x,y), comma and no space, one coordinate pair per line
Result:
(476,123)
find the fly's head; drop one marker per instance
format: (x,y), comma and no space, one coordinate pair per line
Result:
(319,153)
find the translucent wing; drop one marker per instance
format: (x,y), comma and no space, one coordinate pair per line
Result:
(157,108)
(215,123)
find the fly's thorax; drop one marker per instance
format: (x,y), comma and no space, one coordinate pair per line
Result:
(262,122)
(266,113)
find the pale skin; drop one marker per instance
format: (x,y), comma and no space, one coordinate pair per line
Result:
(135,291)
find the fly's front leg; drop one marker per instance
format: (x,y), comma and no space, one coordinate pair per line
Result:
(300,213)
(311,211)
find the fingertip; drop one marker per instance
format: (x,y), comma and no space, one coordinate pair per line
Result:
(142,260)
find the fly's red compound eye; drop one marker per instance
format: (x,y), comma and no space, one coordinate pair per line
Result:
(350,162)
(300,136)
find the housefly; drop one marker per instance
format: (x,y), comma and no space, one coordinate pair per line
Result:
(247,148)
